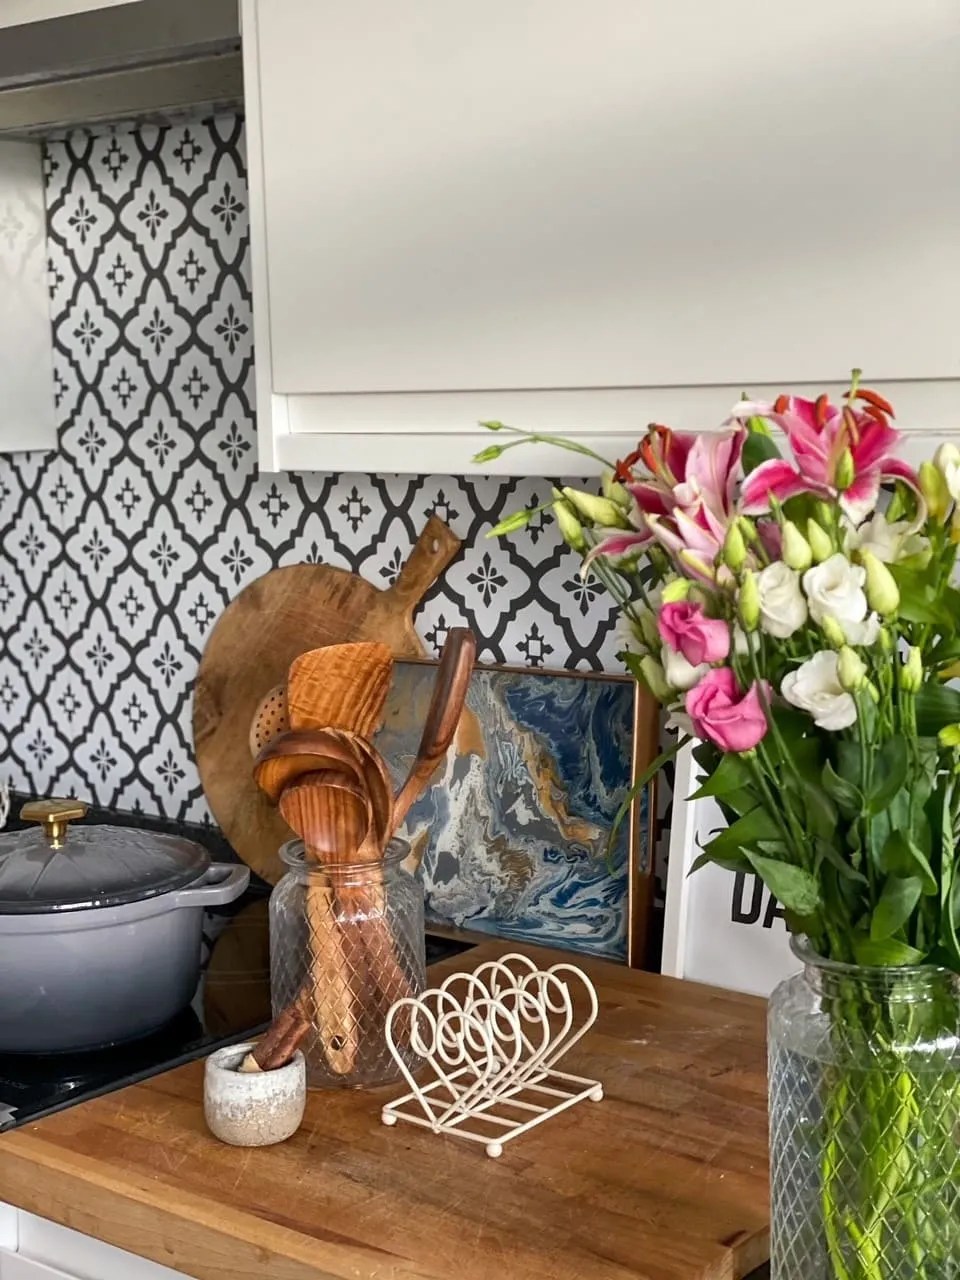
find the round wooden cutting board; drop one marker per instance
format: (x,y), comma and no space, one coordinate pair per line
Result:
(258,635)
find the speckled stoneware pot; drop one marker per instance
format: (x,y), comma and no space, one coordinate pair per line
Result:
(255,1109)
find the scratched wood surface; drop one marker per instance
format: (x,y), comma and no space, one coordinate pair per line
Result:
(666,1179)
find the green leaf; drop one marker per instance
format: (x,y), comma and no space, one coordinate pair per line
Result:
(901,857)
(895,907)
(758,448)
(732,774)
(847,796)
(828,852)
(756,825)
(734,862)
(816,810)
(889,953)
(644,779)
(848,763)
(794,888)
(889,774)
(937,705)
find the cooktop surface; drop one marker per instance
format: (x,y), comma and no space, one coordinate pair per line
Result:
(231,1002)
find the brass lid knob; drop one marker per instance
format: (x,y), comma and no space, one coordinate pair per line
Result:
(55,816)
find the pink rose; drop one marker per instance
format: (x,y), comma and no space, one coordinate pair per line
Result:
(721,713)
(688,630)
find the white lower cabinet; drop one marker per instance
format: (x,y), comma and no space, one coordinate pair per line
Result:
(31,1248)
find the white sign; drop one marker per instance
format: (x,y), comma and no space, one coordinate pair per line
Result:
(720,928)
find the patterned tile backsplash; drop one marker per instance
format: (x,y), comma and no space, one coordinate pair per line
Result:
(120,549)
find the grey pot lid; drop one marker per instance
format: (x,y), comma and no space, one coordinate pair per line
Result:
(60,867)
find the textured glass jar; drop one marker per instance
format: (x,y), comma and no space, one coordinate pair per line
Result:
(346,941)
(865,1123)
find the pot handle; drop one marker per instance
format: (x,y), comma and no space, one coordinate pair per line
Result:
(222,882)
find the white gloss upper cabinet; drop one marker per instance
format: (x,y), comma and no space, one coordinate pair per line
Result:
(27,419)
(583,214)
(16,13)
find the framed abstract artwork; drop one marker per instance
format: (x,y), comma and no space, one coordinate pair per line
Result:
(511,835)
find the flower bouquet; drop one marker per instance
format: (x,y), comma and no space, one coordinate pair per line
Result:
(796,617)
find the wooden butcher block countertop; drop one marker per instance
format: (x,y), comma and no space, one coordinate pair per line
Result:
(665,1179)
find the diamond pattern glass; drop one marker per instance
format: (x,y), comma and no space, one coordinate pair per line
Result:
(865,1124)
(346,942)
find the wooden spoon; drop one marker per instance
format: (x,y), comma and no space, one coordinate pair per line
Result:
(332,813)
(443,716)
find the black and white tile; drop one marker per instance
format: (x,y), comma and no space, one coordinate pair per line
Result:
(120,549)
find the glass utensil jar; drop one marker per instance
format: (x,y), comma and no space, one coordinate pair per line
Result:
(346,941)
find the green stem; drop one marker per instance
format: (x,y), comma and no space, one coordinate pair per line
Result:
(562,442)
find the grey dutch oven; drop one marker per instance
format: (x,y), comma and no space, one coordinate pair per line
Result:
(100,929)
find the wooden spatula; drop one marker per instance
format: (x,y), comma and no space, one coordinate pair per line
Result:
(341,686)
(443,716)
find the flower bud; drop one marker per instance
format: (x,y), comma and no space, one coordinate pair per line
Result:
(675,590)
(796,550)
(655,680)
(647,623)
(571,530)
(851,669)
(734,549)
(697,564)
(612,489)
(510,524)
(934,490)
(883,594)
(749,530)
(492,425)
(487,455)
(911,673)
(598,510)
(820,542)
(846,472)
(949,735)
(885,641)
(833,632)
(748,602)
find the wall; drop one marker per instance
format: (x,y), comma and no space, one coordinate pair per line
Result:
(120,549)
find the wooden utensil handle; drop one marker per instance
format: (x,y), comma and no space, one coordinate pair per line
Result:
(434,550)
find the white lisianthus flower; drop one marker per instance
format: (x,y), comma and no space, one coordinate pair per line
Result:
(834,589)
(890,543)
(815,688)
(783,609)
(680,673)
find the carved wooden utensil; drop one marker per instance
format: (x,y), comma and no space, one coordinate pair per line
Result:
(331,811)
(341,686)
(446,705)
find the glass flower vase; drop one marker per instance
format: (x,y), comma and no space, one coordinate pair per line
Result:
(347,940)
(864,1068)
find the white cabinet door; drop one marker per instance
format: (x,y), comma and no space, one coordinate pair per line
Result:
(15,1267)
(14,13)
(58,1251)
(26,346)
(583,210)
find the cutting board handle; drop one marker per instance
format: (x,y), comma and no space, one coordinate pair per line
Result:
(434,550)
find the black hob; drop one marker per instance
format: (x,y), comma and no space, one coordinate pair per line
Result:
(232,1002)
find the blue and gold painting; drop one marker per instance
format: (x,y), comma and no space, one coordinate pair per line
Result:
(511,836)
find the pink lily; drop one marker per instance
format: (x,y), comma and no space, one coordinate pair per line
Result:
(821,436)
(685,499)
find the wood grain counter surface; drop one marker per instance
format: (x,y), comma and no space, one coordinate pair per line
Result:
(666,1179)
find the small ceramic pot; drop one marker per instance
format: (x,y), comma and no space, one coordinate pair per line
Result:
(255,1109)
